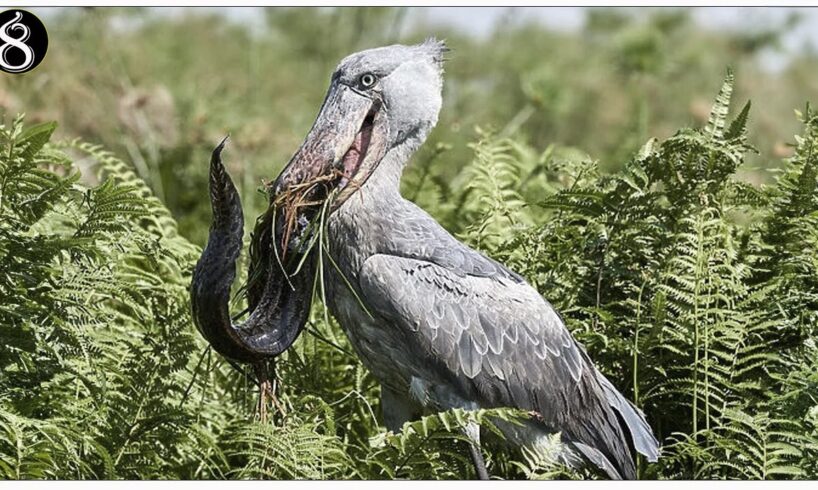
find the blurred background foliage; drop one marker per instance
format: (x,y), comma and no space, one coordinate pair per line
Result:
(163,89)
(684,259)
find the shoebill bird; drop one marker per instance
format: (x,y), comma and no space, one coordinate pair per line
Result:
(438,324)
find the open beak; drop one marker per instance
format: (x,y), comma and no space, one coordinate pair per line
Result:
(343,147)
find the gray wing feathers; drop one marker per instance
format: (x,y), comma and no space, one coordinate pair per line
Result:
(503,345)
(598,459)
(420,237)
(634,419)
(475,324)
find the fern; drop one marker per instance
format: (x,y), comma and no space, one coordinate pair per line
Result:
(694,291)
(718,114)
(298,451)
(434,446)
(492,179)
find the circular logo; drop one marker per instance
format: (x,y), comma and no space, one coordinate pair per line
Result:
(23,41)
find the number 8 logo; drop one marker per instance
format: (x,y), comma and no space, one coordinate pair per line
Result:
(19,43)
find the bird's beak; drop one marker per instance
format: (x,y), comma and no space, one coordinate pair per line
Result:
(344,145)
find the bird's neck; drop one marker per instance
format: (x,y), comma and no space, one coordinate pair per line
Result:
(362,225)
(385,179)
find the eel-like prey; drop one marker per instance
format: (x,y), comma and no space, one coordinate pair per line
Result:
(279,305)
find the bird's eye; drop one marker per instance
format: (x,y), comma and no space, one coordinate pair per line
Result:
(368,80)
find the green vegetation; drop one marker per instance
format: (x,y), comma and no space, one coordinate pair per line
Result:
(686,268)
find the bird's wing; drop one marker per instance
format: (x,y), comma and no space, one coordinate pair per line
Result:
(499,342)
(414,234)
(482,328)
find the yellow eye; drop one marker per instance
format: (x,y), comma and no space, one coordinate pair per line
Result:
(368,80)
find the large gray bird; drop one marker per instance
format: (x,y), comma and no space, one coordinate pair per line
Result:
(444,326)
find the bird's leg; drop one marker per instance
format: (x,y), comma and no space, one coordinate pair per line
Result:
(473,433)
(479,462)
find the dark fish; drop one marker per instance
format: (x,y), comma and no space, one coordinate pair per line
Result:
(280,281)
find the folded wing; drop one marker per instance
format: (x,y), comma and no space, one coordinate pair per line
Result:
(502,344)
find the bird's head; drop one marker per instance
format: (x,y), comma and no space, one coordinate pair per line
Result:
(379,100)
